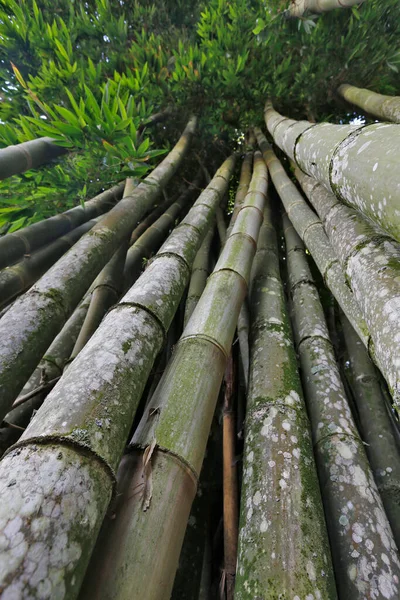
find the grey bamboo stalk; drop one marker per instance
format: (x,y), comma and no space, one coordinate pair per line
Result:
(155,234)
(364,552)
(199,276)
(243,187)
(358,164)
(386,108)
(28,328)
(311,230)
(18,278)
(283,542)
(160,475)
(371,264)
(28,155)
(375,425)
(77,437)
(51,365)
(297,8)
(14,245)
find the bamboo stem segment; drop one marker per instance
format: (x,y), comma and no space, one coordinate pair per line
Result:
(34,319)
(28,155)
(297,8)
(386,108)
(364,552)
(89,413)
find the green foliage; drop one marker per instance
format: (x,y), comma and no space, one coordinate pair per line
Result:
(91,74)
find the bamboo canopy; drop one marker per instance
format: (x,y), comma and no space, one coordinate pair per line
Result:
(33,321)
(77,437)
(356,163)
(371,264)
(353,506)
(386,108)
(28,155)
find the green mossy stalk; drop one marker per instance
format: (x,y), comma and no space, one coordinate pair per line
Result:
(356,163)
(375,425)
(243,187)
(283,545)
(311,230)
(28,155)
(90,412)
(371,264)
(297,8)
(199,276)
(18,278)
(364,552)
(14,245)
(28,328)
(169,444)
(386,108)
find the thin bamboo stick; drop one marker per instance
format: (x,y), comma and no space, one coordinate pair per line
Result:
(70,450)
(283,543)
(28,328)
(160,475)
(364,552)
(14,245)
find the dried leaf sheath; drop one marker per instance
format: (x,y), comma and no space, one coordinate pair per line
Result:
(283,545)
(89,413)
(178,420)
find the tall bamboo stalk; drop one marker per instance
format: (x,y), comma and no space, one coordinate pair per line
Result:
(243,187)
(356,163)
(161,473)
(364,552)
(375,425)
(31,324)
(283,544)
(199,276)
(18,278)
(76,439)
(28,155)
(386,108)
(14,245)
(311,230)
(297,8)
(371,264)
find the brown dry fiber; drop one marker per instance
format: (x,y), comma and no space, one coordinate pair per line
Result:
(371,264)
(364,552)
(283,543)
(359,164)
(28,328)
(159,478)
(65,460)
(386,108)
(14,245)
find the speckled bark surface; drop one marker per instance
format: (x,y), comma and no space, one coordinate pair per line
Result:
(386,108)
(364,553)
(283,546)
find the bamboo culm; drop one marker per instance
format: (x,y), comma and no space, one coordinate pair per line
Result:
(33,321)
(162,471)
(311,230)
(18,278)
(375,425)
(364,552)
(386,108)
(14,245)
(371,264)
(356,163)
(297,8)
(283,542)
(77,437)
(28,155)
